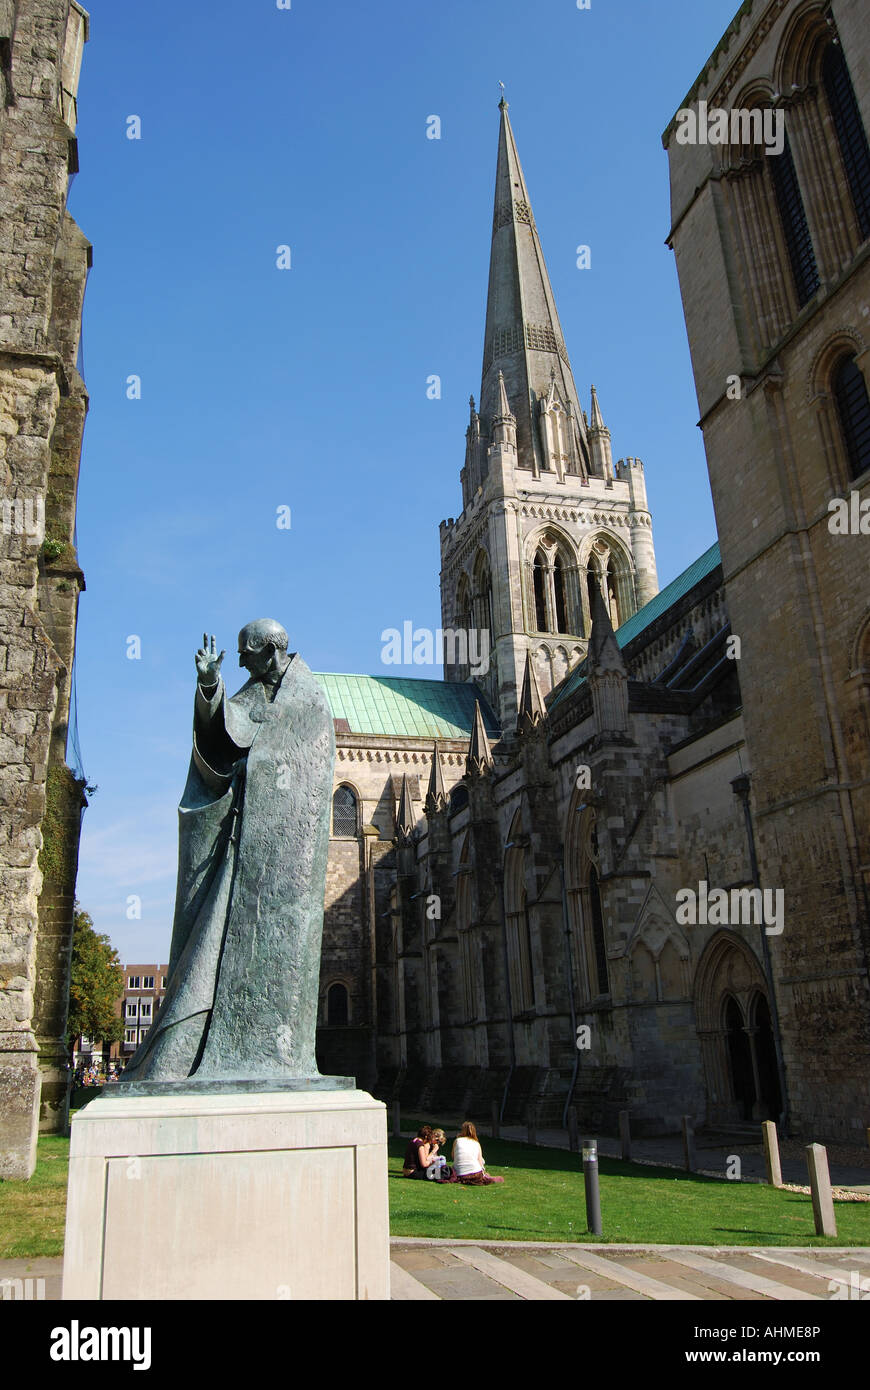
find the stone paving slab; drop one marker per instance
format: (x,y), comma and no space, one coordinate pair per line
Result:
(619,1273)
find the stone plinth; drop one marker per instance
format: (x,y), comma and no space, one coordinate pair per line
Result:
(276,1195)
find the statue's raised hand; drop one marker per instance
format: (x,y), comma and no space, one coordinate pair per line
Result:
(208,663)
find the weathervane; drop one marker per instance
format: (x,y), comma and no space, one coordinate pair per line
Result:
(503,102)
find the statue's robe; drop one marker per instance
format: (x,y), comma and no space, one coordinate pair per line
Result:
(244,968)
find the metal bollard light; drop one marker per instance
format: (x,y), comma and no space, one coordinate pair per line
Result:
(593,1195)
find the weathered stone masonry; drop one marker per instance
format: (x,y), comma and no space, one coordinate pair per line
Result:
(44,261)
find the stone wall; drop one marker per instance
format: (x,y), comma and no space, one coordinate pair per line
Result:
(799,597)
(42,409)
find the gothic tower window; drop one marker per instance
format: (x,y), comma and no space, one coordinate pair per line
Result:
(795,228)
(344,814)
(482,603)
(559,591)
(853,408)
(540,578)
(849,127)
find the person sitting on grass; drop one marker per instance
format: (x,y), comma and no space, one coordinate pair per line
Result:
(418,1154)
(439,1169)
(468,1160)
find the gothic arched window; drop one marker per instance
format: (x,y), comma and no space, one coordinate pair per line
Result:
(458,798)
(540,576)
(853,407)
(851,136)
(795,228)
(344,814)
(559,591)
(337,1011)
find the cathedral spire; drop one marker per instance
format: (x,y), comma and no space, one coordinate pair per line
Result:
(523,338)
(436,796)
(531,712)
(405,812)
(479,759)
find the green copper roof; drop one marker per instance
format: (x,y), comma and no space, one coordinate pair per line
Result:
(392,706)
(644,617)
(669,595)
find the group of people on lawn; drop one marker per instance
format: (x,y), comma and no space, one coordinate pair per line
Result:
(423,1160)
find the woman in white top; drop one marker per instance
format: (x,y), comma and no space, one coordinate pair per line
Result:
(468,1158)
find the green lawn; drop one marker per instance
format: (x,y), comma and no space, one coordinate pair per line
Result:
(543,1199)
(32,1213)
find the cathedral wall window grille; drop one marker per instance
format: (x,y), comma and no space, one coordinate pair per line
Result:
(337,1006)
(849,128)
(853,408)
(345,814)
(458,798)
(795,228)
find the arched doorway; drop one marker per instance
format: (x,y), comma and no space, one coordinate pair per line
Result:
(739,1059)
(769,1092)
(734,1025)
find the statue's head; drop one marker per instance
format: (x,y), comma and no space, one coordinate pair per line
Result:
(263,646)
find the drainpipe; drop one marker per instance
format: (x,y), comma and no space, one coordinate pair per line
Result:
(740,787)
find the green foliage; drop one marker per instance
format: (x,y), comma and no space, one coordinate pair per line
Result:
(52,548)
(96,984)
(57,856)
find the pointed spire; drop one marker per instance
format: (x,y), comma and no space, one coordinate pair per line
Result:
(599,441)
(523,337)
(436,796)
(604,653)
(531,713)
(405,819)
(505,412)
(479,759)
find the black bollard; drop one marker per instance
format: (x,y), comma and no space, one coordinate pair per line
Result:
(593,1195)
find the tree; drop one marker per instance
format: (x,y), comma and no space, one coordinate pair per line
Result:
(96,984)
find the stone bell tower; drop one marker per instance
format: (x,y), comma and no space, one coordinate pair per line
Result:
(546,517)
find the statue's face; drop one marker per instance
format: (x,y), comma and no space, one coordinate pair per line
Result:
(257,662)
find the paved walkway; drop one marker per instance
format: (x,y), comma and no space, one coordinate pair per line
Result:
(465,1270)
(457,1270)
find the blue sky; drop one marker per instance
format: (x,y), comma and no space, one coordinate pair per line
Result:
(306,388)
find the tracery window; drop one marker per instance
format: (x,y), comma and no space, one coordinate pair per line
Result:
(344,813)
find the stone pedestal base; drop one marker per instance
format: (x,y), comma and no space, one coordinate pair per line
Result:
(276,1195)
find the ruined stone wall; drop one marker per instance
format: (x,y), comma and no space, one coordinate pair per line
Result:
(43,265)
